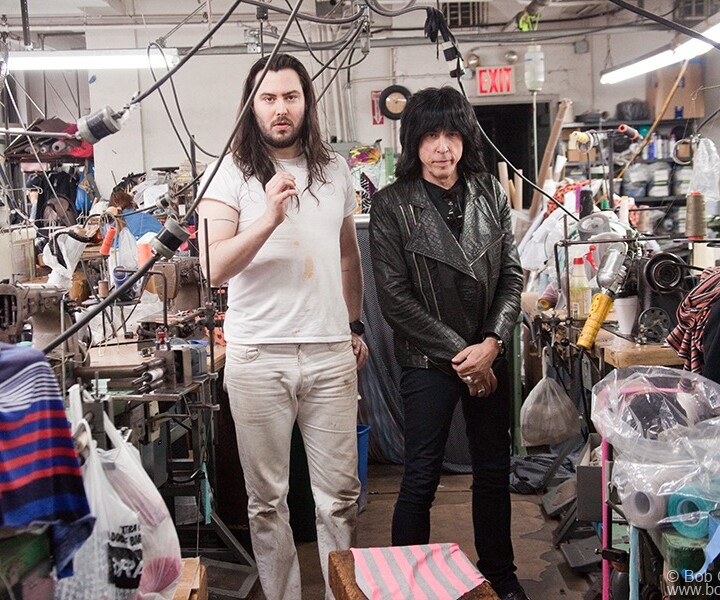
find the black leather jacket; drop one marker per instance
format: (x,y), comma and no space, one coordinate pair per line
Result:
(438,295)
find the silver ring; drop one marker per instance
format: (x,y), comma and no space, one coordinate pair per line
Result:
(469,379)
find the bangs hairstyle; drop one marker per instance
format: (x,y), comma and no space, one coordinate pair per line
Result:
(438,109)
(252,154)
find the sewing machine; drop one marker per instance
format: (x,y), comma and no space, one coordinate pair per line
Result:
(42,307)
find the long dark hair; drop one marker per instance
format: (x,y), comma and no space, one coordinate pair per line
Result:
(436,109)
(251,153)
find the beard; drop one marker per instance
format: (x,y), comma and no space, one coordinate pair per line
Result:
(280,141)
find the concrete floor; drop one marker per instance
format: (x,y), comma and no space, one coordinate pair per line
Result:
(541,568)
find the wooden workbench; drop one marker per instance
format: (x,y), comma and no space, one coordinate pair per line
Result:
(614,349)
(126,355)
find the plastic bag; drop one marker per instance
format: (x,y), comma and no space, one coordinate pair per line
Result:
(548,415)
(162,559)
(705,178)
(654,414)
(109,564)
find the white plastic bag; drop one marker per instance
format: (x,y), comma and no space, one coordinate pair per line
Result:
(162,559)
(109,564)
(548,415)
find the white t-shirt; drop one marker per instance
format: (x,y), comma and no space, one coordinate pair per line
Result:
(291,292)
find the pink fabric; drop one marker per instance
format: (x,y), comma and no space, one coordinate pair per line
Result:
(423,572)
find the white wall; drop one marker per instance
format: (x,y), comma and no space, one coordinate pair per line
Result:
(209,89)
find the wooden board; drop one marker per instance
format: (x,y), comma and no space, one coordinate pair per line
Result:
(124,355)
(193,581)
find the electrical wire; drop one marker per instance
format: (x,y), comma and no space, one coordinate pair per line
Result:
(241,114)
(317,45)
(140,97)
(306,16)
(669,24)
(179,109)
(132,279)
(35,152)
(342,62)
(164,103)
(351,40)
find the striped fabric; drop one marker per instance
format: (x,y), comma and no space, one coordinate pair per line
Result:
(40,478)
(687,337)
(427,572)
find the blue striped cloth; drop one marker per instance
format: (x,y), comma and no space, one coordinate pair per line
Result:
(40,478)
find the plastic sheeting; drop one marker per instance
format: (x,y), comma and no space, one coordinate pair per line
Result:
(379,383)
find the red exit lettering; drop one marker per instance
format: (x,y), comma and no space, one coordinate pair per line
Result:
(492,81)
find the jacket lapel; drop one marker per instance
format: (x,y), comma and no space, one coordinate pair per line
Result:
(431,237)
(480,224)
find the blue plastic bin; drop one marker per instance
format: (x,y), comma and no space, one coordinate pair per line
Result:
(363,441)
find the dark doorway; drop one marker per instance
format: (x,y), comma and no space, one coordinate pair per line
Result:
(510,127)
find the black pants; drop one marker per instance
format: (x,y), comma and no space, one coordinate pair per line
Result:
(429,399)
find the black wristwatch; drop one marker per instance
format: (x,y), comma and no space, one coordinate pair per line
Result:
(357,327)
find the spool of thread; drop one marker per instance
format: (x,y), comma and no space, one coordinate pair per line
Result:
(689,513)
(107,241)
(103,288)
(59,146)
(695,225)
(119,276)
(703,255)
(644,510)
(144,253)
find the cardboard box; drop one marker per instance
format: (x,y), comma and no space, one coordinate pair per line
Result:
(682,105)
(589,483)
(193,581)
(577,156)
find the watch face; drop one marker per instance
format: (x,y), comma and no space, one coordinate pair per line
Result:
(393,100)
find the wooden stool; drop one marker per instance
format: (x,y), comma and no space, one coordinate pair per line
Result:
(341,572)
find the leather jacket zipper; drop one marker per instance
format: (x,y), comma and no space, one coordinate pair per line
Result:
(486,248)
(417,267)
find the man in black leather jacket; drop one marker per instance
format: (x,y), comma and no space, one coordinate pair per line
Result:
(449,280)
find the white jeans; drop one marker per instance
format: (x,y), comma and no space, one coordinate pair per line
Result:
(270,387)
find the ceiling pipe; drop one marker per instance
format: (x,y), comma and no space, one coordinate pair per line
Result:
(25,24)
(478,38)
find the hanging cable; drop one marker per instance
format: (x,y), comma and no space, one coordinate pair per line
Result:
(174,233)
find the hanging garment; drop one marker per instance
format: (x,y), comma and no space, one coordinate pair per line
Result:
(687,337)
(40,477)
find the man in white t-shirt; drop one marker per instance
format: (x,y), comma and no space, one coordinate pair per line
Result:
(281,233)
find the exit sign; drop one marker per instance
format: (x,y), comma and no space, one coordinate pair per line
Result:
(495,81)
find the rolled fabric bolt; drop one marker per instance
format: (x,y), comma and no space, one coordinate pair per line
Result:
(107,241)
(59,146)
(644,510)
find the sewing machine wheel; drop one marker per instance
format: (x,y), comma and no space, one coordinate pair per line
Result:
(664,272)
(654,325)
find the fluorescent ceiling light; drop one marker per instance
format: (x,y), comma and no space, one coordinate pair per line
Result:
(76,60)
(663,57)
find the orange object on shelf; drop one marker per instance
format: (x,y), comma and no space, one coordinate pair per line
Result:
(107,242)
